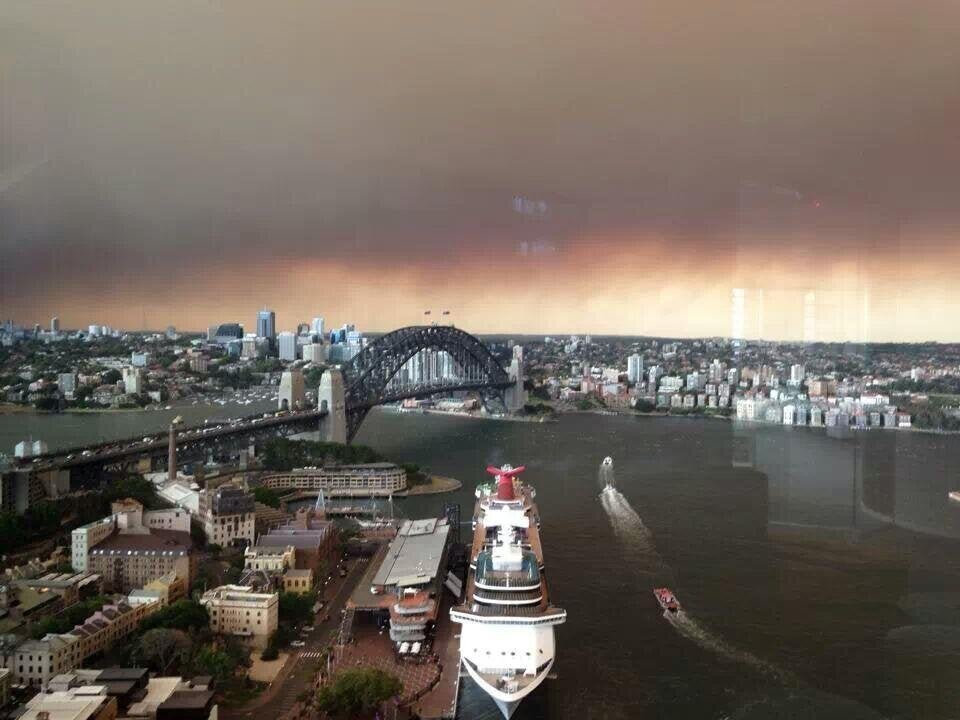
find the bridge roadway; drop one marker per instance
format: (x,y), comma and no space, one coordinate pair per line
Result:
(116,452)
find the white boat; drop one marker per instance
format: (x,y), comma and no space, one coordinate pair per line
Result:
(507,642)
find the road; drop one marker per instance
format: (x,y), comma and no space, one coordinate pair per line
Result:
(157,442)
(299,672)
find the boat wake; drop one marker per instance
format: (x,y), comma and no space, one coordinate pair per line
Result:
(627,525)
(689,628)
(636,538)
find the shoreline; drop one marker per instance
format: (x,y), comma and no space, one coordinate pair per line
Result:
(439,484)
(14,409)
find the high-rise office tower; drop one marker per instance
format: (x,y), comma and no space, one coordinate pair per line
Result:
(317,326)
(267,324)
(287,346)
(54,324)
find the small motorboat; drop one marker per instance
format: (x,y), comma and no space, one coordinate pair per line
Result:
(668,601)
(607,461)
(954,495)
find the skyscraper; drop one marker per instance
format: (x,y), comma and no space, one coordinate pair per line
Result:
(287,346)
(634,368)
(317,326)
(267,324)
(54,324)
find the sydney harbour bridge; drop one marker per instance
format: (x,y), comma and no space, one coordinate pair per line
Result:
(346,394)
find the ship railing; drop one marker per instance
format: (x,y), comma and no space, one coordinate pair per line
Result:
(492,583)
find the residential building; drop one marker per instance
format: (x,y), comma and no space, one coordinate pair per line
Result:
(816,416)
(822,387)
(273,559)
(670,384)
(129,561)
(797,374)
(79,703)
(789,414)
(35,662)
(199,363)
(84,538)
(69,587)
(166,589)
(67,383)
(128,516)
(634,369)
(132,380)
(20,489)
(227,514)
(298,581)
(109,624)
(5,683)
(235,610)
(382,479)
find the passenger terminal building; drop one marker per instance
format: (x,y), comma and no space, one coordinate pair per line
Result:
(403,584)
(373,479)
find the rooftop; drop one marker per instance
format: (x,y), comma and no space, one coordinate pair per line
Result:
(415,553)
(74,704)
(188,700)
(166,542)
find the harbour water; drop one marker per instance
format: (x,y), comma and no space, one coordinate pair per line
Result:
(819,577)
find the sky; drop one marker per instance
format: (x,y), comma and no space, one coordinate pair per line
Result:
(604,166)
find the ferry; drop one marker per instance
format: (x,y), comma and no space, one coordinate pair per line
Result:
(507,642)
(668,601)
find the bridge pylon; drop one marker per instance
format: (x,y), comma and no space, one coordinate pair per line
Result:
(332,397)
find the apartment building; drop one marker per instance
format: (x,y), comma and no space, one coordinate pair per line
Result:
(34,662)
(228,515)
(236,610)
(269,559)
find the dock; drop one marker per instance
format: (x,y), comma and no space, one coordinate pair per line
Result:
(440,703)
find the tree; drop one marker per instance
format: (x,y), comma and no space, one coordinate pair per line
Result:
(294,607)
(220,664)
(645,406)
(358,691)
(182,615)
(267,496)
(164,648)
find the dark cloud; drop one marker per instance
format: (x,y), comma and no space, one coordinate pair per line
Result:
(179,134)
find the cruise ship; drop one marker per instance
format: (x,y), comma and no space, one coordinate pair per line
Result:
(506,641)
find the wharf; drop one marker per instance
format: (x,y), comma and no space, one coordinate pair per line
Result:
(440,703)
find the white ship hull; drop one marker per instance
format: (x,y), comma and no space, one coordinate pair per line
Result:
(507,702)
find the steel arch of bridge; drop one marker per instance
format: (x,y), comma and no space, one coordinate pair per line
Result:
(367,377)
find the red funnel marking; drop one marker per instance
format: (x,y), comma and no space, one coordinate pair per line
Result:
(505,480)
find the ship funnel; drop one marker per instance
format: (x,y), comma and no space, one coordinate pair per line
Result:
(505,476)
